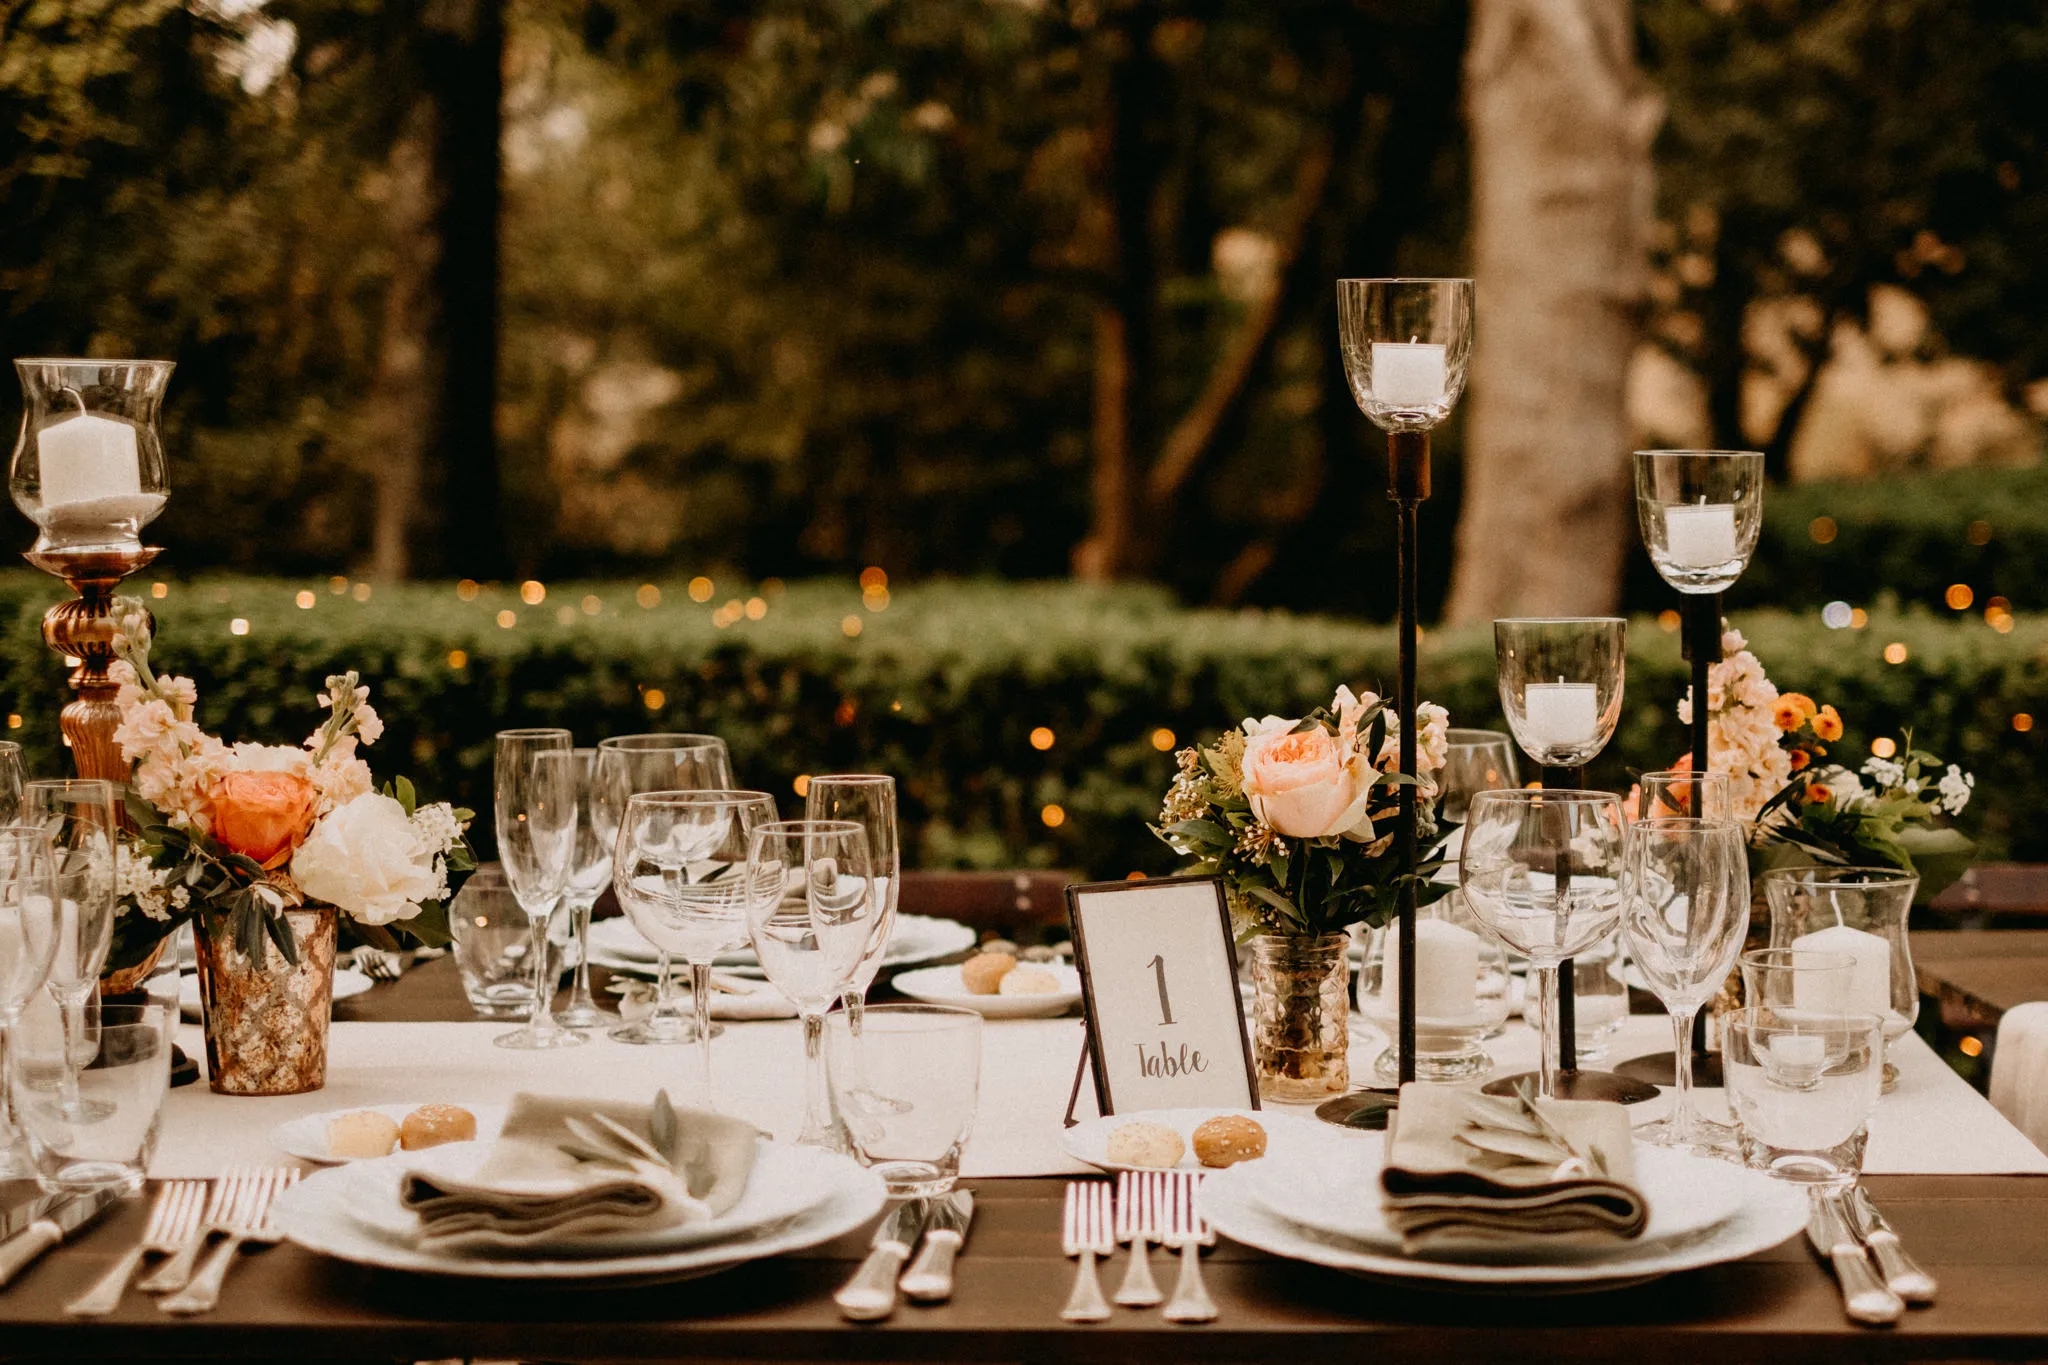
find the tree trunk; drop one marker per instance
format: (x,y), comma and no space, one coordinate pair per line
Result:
(403,393)
(1561,183)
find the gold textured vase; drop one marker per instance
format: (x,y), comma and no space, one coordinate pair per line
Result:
(1301,1016)
(266,1022)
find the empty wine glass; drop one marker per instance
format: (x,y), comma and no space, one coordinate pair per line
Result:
(78,815)
(811,902)
(626,766)
(1560,684)
(590,872)
(1683,792)
(1687,908)
(1474,761)
(679,870)
(535,783)
(869,800)
(1542,871)
(28,945)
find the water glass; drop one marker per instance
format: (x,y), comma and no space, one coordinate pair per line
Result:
(28,945)
(534,789)
(1474,761)
(1683,792)
(1783,981)
(1802,1090)
(121,1076)
(905,1089)
(494,947)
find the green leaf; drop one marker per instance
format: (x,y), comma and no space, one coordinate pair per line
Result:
(406,796)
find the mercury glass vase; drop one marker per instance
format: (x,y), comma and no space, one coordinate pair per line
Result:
(266,1022)
(1301,1016)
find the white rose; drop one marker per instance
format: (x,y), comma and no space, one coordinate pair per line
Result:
(367,859)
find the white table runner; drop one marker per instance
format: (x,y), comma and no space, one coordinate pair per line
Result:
(1933,1123)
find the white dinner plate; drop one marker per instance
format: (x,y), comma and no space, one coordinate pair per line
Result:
(1299,1143)
(1773,1212)
(305,1137)
(796,1197)
(914,939)
(943,986)
(348,983)
(1687,1194)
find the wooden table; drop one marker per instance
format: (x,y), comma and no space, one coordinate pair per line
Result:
(1984,1237)
(1976,975)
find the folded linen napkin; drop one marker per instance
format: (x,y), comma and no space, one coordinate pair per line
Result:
(564,1170)
(1467,1172)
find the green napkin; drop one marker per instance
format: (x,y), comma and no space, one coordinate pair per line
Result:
(565,1171)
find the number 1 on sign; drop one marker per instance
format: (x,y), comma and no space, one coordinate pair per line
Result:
(1158,966)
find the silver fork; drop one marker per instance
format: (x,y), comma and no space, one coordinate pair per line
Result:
(176,1271)
(1086,1231)
(250,1223)
(172,1220)
(1137,1221)
(377,964)
(1189,1232)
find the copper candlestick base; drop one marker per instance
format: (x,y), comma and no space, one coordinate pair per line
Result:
(79,630)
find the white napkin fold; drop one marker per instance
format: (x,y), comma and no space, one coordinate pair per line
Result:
(570,1170)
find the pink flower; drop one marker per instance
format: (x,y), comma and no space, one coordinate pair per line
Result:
(1308,784)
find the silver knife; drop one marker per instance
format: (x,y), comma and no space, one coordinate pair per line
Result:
(64,1216)
(1902,1274)
(930,1277)
(871,1294)
(1863,1293)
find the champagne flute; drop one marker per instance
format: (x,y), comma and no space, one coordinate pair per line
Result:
(590,871)
(811,902)
(626,766)
(79,816)
(1686,908)
(535,785)
(1542,871)
(28,945)
(869,800)
(13,777)
(674,871)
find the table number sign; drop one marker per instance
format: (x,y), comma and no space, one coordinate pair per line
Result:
(1159,983)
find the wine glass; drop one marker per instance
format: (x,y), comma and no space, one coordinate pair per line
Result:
(1407,345)
(1700,511)
(1686,895)
(626,766)
(1681,791)
(13,777)
(674,871)
(1474,761)
(79,816)
(1542,871)
(28,946)
(590,872)
(1560,684)
(811,903)
(869,800)
(535,788)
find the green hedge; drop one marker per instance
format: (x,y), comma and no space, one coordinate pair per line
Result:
(945,686)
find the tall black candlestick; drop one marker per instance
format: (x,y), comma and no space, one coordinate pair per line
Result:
(1566,779)
(1408,486)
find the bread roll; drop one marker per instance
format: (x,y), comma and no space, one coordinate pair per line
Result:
(431,1125)
(1229,1139)
(1146,1144)
(365,1133)
(1029,981)
(983,973)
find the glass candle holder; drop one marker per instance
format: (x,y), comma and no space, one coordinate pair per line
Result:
(1860,912)
(1560,684)
(1700,511)
(88,468)
(1407,344)
(1460,996)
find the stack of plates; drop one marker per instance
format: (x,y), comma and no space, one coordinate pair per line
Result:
(1702,1212)
(617,945)
(797,1197)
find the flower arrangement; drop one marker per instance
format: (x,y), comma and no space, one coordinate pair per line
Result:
(1289,814)
(1771,743)
(251,830)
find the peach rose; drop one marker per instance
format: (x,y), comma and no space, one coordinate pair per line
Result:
(1306,785)
(263,814)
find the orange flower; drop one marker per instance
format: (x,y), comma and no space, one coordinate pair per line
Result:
(1793,710)
(1828,724)
(263,815)
(1800,758)
(1816,794)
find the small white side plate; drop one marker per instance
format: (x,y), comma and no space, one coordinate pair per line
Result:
(306,1137)
(1300,1143)
(943,986)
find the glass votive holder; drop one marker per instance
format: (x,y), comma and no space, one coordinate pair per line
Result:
(905,1088)
(1802,1089)
(1786,982)
(1461,992)
(492,940)
(91,1106)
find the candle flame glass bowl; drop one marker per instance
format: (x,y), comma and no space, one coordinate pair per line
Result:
(1559,729)
(1809,901)
(88,468)
(1461,992)
(1423,331)
(1697,547)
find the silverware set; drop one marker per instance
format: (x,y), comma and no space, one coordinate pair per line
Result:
(1848,1232)
(1148,1207)
(936,1229)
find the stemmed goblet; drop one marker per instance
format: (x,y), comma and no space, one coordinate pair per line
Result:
(28,945)
(869,800)
(1686,895)
(535,784)
(679,872)
(590,871)
(811,903)
(79,816)
(1542,870)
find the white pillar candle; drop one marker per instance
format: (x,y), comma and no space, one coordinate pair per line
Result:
(1446,971)
(1700,537)
(1560,714)
(1408,374)
(86,459)
(1868,988)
